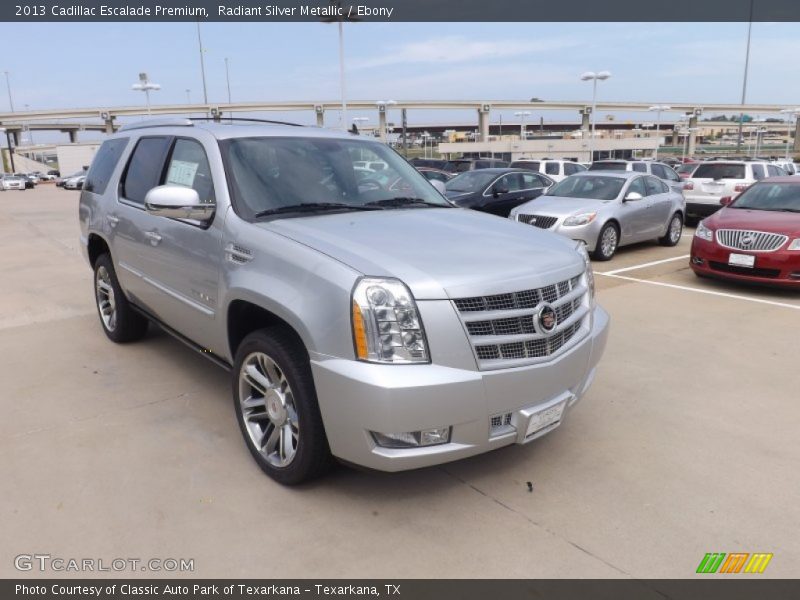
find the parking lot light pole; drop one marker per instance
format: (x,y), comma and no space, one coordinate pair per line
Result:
(522,114)
(792,120)
(594,77)
(146,86)
(658,108)
(202,63)
(8,87)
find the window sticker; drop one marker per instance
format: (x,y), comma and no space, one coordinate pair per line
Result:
(182,172)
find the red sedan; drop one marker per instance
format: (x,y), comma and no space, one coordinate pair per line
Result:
(755,237)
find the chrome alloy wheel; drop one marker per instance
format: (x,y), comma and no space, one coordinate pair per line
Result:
(268,409)
(675,229)
(104,293)
(608,243)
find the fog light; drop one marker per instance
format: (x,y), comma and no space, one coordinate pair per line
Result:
(500,425)
(413,439)
(697,261)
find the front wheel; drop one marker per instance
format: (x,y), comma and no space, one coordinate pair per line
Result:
(674,231)
(607,242)
(276,407)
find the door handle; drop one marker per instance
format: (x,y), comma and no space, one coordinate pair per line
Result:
(153,237)
(112,220)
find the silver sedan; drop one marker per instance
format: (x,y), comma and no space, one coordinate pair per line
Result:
(606,210)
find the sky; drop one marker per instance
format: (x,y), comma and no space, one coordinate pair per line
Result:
(56,65)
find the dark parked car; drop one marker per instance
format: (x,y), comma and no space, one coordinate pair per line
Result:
(460,165)
(496,191)
(435,174)
(433,163)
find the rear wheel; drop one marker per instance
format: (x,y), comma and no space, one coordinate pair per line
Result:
(120,322)
(674,231)
(276,407)
(607,242)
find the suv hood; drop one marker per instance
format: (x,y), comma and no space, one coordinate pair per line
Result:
(439,253)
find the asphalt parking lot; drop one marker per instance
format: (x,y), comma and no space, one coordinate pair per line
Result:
(686,444)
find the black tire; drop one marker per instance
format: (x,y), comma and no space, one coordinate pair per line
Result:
(669,238)
(599,253)
(312,457)
(127,325)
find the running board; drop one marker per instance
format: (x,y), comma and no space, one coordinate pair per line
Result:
(205,352)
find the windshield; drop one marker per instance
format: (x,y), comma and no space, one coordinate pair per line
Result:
(770,196)
(608,166)
(269,174)
(719,171)
(471,181)
(586,186)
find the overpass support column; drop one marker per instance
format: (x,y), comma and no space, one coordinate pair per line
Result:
(483,122)
(73,136)
(692,135)
(320,112)
(382,122)
(796,146)
(586,124)
(15,137)
(109,123)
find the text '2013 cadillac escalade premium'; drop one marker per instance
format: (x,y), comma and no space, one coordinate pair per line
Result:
(362,315)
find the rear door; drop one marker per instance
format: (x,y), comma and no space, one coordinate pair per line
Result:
(659,198)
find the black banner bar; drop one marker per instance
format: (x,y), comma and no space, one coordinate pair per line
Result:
(403,10)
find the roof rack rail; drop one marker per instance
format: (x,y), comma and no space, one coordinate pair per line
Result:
(248,119)
(170,122)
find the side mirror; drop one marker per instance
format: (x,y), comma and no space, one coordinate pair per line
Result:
(726,201)
(632,196)
(439,185)
(177,202)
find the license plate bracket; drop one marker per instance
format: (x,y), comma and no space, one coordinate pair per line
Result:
(742,260)
(542,418)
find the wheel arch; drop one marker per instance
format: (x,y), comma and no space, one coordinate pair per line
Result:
(96,246)
(244,316)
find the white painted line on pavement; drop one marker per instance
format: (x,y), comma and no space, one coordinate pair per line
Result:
(642,266)
(701,291)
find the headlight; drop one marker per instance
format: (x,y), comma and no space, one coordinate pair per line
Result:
(704,233)
(386,323)
(795,245)
(581,219)
(581,248)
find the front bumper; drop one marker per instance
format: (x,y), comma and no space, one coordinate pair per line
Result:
(588,234)
(356,398)
(779,268)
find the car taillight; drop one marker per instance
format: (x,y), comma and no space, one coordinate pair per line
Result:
(740,187)
(688,185)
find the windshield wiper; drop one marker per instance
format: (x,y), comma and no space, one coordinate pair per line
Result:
(312,207)
(405,201)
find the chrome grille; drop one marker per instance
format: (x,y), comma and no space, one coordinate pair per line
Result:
(752,241)
(540,221)
(507,335)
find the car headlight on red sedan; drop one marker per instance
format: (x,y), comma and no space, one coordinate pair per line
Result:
(704,233)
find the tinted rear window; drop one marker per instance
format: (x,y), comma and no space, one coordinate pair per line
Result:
(103,165)
(608,166)
(719,171)
(144,168)
(551,168)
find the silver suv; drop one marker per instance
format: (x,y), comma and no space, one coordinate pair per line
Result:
(363,318)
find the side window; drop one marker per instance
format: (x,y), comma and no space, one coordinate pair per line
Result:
(640,167)
(671,174)
(758,172)
(551,168)
(144,168)
(570,168)
(188,166)
(654,186)
(103,165)
(531,181)
(658,171)
(773,171)
(637,185)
